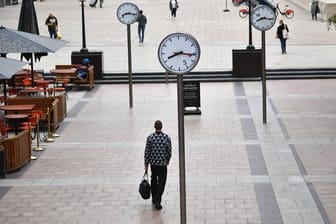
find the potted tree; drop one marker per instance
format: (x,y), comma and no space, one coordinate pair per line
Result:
(332,22)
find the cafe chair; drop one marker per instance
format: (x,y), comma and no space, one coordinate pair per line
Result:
(4,127)
(43,87)
(27,82)
(2,99)
(34,127)
(64,86)
(31,125)
(12,91)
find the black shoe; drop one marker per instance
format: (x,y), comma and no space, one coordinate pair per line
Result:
(158,207)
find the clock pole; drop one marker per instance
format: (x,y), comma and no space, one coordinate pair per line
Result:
(263,77)
(226,8)
(130,79)
(127,14)
(183,210)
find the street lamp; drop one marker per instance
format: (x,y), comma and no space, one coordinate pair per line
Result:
(84,49)
(250,46)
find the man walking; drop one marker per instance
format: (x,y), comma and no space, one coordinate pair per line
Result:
(142,21)
(157,154)
(52,24)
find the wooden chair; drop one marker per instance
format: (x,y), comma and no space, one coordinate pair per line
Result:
(34,127)
(27,82)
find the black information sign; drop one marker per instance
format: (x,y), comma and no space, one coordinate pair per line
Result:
(192,97)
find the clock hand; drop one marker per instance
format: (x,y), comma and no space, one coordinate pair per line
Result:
(175,54)
(262,18)
(128,13)
(189,54)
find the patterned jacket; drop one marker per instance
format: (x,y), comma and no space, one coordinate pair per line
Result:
(158,149)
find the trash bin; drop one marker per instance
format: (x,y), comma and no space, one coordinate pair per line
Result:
(2,3)
(247,63)
(96,59)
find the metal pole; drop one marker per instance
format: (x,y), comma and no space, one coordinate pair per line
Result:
(130,66)
(84,49)
(263,77)
(32,69)
(180,108)
(250,45)
(167,78)
(226,8)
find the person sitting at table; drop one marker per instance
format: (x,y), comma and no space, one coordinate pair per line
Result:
(82,70)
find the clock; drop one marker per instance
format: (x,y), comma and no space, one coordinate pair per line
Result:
(263,17)
(179,53)
(127,13)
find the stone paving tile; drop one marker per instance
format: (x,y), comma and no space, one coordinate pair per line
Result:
(326,192)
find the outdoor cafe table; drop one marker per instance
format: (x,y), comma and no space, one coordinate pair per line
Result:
(18,107)
(29,92)
(16,118)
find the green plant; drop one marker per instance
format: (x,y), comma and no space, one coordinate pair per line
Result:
(332,21)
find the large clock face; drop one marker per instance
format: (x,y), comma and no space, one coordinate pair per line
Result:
(263,18)
(127,13)
(179,53)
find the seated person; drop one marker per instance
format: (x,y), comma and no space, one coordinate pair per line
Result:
(82,70)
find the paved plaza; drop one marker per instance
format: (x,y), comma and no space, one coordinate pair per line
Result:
(238,170)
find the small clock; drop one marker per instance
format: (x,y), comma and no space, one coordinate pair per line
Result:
(179,53)
(127,13)
(263,18)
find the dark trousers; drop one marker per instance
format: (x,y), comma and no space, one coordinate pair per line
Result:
(158,182)
(283,45)
(141,33)
(173,12)
(52,33)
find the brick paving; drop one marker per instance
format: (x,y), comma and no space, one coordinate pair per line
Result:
(238,170)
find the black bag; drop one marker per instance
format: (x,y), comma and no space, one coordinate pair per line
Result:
(144,187)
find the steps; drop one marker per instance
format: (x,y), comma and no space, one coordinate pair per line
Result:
(217,76)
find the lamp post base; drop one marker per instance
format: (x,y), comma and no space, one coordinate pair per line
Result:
(84,50)
(250,47)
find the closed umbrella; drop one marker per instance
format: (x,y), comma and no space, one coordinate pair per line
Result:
(13,41)
(28,23)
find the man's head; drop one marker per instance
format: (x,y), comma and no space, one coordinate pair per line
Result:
(140,11)
(86,61)
(158,125)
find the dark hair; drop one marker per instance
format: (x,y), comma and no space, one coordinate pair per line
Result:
(158,125)
(140,11)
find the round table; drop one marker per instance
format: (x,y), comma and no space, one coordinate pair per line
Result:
(16,118)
